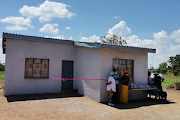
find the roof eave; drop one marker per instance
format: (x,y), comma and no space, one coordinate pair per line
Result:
(127,48)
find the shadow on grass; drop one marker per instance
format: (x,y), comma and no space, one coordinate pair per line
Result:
(14,98)
(141,103)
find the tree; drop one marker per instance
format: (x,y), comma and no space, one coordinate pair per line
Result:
(163,65)
(162,68)
(169,67)
(175,64)
(113,39)
(2,67)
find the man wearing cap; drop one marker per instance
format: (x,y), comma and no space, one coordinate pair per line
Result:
(111,88)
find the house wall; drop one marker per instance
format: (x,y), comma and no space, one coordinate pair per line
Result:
(140,70)
(18,50)
(89,63)
(87,66)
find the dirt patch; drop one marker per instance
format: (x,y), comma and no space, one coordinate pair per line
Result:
(68,106)
(1,86)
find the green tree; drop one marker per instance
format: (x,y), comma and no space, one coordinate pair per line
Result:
(162,68)
(169,67)
(113,39)
(175,64)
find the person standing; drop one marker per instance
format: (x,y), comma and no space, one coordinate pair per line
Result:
(116,95)
(111,88)
(124,87)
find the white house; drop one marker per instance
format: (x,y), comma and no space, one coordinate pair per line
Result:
(32,61)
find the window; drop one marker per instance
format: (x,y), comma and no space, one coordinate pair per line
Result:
(36,68)
(121,64)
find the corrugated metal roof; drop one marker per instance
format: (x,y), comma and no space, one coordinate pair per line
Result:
(86,44)
(70,42)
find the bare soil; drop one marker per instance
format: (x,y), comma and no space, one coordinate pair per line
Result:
(70,106)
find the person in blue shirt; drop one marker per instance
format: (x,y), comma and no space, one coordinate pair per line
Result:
(116,96)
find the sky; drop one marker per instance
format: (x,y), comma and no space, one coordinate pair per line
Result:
(142,23)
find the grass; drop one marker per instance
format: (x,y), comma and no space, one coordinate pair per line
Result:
(169,80)
(1,77)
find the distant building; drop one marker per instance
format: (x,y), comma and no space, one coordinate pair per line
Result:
(169,71)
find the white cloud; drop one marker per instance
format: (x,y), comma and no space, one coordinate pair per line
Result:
(68,28)
(50,28)
(162,38)
(70,38)
(56,37)
(59,37)
(176,35)
(16,27)
(161,42)
(93,38)
(120,29)
(133,40)
(116,17)
(177,40)
(18,23)
(44,19)
(47,10)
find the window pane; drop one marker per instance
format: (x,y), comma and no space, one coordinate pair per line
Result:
(37,70)
(130,69)
(121,64)
(37,61)
(45,68)
(28,67)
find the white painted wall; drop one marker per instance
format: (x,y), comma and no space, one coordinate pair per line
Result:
(87,65)
(18,50)
(140,69)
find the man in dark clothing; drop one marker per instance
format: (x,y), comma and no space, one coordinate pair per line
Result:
(116,95)
(157,81)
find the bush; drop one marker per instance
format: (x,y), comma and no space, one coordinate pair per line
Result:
(2,67)
(170,86)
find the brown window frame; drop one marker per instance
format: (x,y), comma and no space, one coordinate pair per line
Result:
(32,68)
(120,63)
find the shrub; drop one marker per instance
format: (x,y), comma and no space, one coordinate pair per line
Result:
(2,67)
(170,86)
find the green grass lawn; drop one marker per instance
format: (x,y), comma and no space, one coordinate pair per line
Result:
(169,80)
(1,77)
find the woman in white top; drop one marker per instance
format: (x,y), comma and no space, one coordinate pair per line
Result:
(111,88)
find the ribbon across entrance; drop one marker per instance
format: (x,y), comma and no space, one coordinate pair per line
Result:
(64,79)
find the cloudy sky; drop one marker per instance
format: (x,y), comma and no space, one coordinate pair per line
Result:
(143,23)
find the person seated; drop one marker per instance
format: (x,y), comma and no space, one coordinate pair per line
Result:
(157,83)
(158,80)
(150,81)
